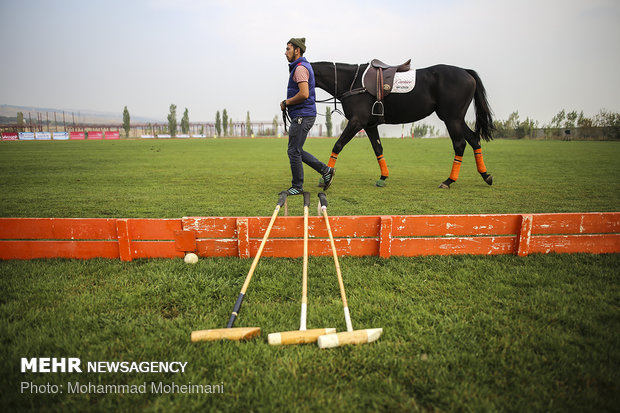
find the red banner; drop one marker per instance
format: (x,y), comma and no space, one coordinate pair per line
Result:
(77,135)
(112,135)
(95,135)
(9,136)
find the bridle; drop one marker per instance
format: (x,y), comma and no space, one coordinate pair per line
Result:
(335,98)
(350,92)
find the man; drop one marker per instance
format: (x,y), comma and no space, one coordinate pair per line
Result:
(300,102)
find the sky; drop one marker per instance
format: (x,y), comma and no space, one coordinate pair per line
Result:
(536,57)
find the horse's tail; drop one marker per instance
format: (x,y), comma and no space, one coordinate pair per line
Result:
(484,115)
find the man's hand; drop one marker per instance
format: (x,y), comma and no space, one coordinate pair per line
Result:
(303,94)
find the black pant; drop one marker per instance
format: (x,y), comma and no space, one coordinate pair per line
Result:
(297,134)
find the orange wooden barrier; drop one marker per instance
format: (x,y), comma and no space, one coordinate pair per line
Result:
(384,236)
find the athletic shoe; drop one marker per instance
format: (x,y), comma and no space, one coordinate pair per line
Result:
(295,191)
(328,178)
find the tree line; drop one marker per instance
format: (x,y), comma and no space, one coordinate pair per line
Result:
(605,124)
(563,123)
(223,123)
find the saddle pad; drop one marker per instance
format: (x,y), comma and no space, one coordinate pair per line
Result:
(404,82)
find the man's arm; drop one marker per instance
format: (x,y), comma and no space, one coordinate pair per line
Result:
(303,94)
(301,76)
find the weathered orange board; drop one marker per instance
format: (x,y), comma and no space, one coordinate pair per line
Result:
(381,235)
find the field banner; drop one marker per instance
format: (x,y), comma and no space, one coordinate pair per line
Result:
(199,136)
(112,135)
(61,136)
(26,136)
(43,136)
(95,135)
(10,136)
(183,136)
(77,135)
(165,136)
(147,136)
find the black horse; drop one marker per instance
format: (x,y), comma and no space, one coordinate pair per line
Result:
(446,90)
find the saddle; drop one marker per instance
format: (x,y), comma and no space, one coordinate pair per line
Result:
(379,79)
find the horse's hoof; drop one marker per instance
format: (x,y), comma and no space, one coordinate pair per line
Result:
(443,185)
(487,178)
(381,183)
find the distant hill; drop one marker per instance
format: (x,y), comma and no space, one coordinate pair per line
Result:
(8,112)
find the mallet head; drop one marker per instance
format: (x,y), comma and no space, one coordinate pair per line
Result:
(349,337)
(298,336)
(235,334)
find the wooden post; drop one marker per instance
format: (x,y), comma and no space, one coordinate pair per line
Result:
(243,237)
(524,236)
(385,237)
(124,240)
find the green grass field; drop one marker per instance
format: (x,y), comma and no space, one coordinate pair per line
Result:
(242,177)
(462,333)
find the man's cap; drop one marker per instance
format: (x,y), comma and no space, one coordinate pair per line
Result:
(299,42)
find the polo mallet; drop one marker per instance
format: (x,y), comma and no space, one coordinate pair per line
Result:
(241,333)
(350,336)
(302,336)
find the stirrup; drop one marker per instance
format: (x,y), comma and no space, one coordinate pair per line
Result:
(379,105)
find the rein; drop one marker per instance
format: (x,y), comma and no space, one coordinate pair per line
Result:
(285,118)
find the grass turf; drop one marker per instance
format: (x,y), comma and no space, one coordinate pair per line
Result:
(242,177)
(501,333)
(462,333)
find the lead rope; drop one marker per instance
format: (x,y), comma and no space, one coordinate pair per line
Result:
(285,118)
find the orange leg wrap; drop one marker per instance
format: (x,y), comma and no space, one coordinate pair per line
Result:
(383,166)
(332,160)
(479,161)
(456,168)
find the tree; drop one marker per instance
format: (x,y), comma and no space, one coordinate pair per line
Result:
(610,121)
(185,122)
(275,125)
(525,128)
(248,125)
(126,121)
(571,119)
(557,120)
(328,121)
(172,120)
(225,122)
(419,131)
(583,122)
(218,124)
(20,119)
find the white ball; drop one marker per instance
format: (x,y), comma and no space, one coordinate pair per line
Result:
(191,258)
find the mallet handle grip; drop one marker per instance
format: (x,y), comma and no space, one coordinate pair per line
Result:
(235,311)
(282,198)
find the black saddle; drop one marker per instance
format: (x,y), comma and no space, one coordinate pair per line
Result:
(379,79)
